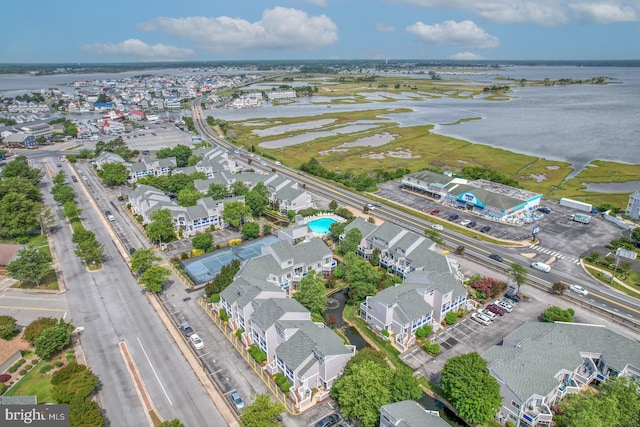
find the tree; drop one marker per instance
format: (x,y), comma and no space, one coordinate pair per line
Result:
(160,229)
(154,277)
(312,292)
(173,423)
(35,328)
(143,259)
(404,386)
(367,353)
(239,188)
(30,265)
(361,275)
(434,236)
(77,385)
(188,197)
(519,274)
(554,313)
(62,193)
(182,153)
(258,198)
(84,413)
(52,340)
(250,230)
(469,386)
(202,241)
(113,174)
(90,250)
(362,392)
(234,213)
(333,205)
(218,191)
(262,412)
(7,328)
(20,167)
(46,218)
(351,241)
(18,215)
(20,185)
(336,229)
(558,288)
(60,178)
(224,278)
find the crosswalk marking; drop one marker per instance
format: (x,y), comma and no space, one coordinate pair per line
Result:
(556,254)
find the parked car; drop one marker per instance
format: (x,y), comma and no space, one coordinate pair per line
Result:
(186,329)
(481,318)
(491,315)
(505,305)
(471,224)
(541,266)
(437,227)
(496,309)
(579,290)
(73,178)
(495,257)
(485,229)
(513,297)
(59,165)
(196,341)
(328,421)
(109,215)
(465,222)
(435,212)
(132,250)
(235,398)
(453,217)
(544,209)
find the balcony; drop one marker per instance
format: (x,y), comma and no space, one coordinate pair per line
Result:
(536,414)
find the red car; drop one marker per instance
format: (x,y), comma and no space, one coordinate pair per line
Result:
(496,309)
(435,212)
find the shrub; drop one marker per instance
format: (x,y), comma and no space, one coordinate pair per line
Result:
(279,378)
(8,328)
(46,368)
(450,318)
(23,372)
(238,333)
(28,366)
(431,348)
(215,298)
(57,363)
(554,313)
(4,378)
(257,354)
(385,332)
(223,315)
(285,387)
(424,331)
(52,340)
(12,369)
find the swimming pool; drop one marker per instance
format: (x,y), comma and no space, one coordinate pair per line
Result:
(321,225)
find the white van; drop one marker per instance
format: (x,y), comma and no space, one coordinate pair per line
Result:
(541,266)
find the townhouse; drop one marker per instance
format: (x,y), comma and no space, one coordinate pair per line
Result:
(108,157)
(190,220)
(431,287)
(539,363)
(154,167)
(310,355)
(408,413)
(286,194)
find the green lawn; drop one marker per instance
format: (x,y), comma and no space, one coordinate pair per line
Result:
(34,383)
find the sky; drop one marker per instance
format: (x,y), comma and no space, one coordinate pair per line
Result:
(81,31)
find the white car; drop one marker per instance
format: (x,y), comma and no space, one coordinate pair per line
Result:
(196,341)
(481,318)
(541,266)
(579,290)
(507,307)
(489,314)
(437,227)
(465,222)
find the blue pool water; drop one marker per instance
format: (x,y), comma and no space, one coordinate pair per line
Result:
(321,225)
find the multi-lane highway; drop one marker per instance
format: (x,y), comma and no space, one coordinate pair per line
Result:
(604,298)
(111,307)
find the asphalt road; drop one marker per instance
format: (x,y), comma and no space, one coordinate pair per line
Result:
(111,307)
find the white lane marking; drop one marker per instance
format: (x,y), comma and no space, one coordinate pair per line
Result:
(154,372)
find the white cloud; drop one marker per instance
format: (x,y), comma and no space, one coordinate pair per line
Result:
(543,12)
(316,2)
(463,34)
(466,56)
(384,28)
(604,13)
(139,50)
(278,28)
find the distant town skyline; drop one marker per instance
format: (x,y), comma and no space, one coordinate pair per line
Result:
(194,30)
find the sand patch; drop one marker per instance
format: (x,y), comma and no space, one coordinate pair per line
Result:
(538,177)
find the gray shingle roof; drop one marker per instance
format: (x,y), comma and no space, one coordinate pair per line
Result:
(443,281)
(409,413)
(268,311)
(304,252)
(361,224)
(536,352)
(308,338)
(409,300)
